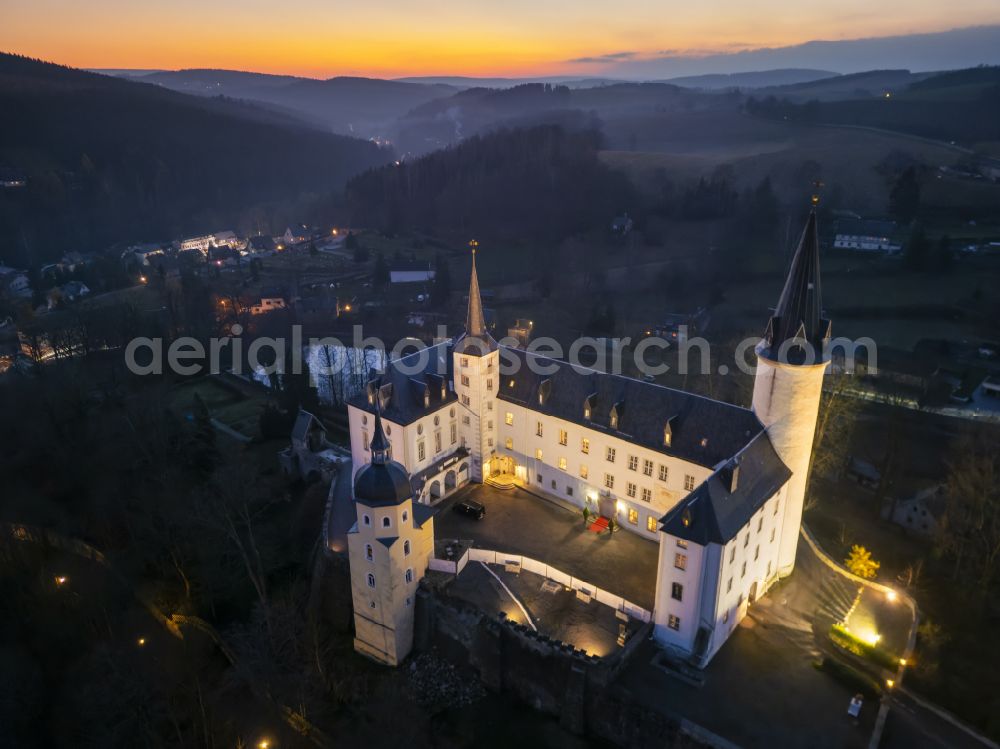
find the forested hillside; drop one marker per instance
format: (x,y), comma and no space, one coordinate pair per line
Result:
(541,182)
(110,160)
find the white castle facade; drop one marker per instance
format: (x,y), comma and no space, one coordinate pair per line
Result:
(718,487)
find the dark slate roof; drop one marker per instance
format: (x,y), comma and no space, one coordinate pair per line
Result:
(388,542)
(703,431)
(712,513)
(261,243)
(402,393)
(799,314)
(422,513)
(303,422)
(382,485)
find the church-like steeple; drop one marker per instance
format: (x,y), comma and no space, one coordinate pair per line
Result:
(799,314)
(476,340)
(475,323)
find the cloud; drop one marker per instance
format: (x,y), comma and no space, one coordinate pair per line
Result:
(610,57)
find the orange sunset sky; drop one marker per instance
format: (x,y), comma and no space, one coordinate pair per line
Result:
(388,38)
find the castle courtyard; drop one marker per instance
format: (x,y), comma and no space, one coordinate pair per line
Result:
(518,522)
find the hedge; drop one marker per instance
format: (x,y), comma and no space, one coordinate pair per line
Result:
(853,644)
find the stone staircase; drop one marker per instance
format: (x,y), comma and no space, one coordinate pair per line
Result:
(504,481)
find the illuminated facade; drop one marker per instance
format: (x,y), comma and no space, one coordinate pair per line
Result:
(718,487)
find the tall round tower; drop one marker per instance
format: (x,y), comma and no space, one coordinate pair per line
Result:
(791,361)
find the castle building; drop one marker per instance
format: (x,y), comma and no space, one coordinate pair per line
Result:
(719,488)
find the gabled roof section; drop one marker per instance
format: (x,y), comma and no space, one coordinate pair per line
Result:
(405,401)
(799,314)
(724,503)
(422,513)
(303,423)
(703,431)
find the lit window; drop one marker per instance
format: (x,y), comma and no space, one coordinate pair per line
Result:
(663,473)
(583,471)
(563,437)
(408,576)
(677,591)
(667,436)
(673,622)
(647,495)
(651,523)
(633,516)
(647,468)
(610,455)
(538,454)
(630,489)
(614,420)
(465,380)
(508,419)
(371,580)
(406,548)
(609,481)
(680,561)
(509,444)
(633,463)
(510,384)
(369,552)
(562,464)
(688,482)
(585,445)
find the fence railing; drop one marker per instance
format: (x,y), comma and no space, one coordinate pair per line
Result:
(618,603)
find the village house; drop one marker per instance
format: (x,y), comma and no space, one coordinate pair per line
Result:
(410,271)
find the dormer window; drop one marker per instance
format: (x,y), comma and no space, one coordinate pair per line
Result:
(371,397)
(586,412)
(704,441)
(668,432)
(427,399)
(686,518)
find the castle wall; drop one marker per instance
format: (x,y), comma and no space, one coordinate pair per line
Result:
(546,674)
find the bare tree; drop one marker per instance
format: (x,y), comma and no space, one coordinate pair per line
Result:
(971,534)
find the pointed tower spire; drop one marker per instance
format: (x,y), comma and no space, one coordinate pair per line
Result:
(475,323)
(380,447)
(799,314)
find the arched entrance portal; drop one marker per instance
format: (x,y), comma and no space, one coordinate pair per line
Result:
(435,491)
(450,480)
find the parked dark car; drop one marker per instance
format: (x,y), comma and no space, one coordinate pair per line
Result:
(470,508)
